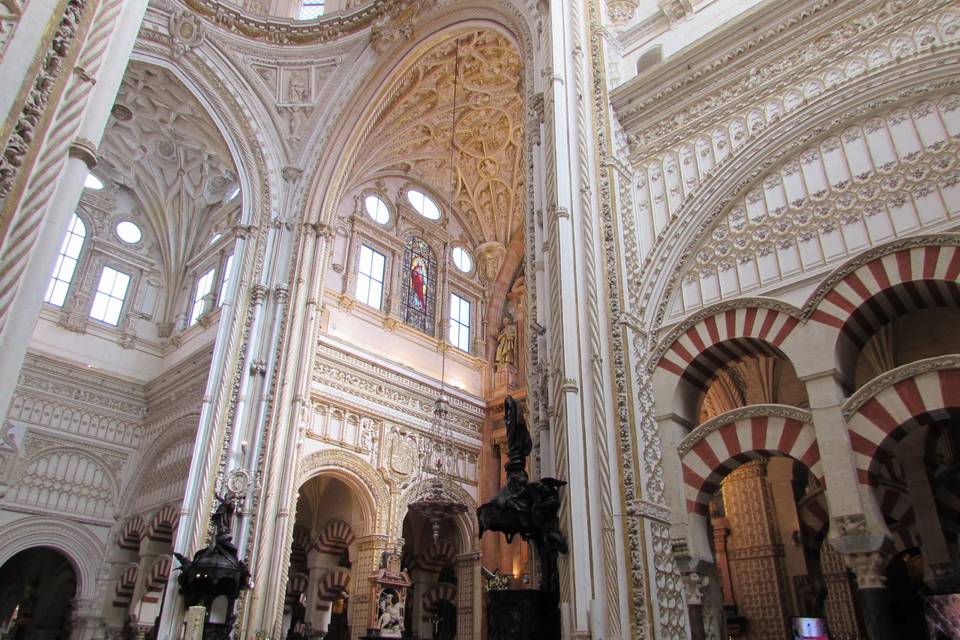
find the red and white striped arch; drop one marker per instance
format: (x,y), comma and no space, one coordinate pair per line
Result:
(301,546)
(889,286)
(335,538)
(439,554)
(126,583)
(132,533)
(896,410)
(297,585)
(163,524)
(159,573)
(437,593)
(335,581)
(726,445)
(716,340)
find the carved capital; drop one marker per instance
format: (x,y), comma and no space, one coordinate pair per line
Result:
(258,293)
(84,150)
(868,567)
(281,292)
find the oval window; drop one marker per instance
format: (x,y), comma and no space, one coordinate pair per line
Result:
(424,205)
(129,232)
(462,259)
(377,209)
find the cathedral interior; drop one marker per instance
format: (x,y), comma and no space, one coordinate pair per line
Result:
(269,270)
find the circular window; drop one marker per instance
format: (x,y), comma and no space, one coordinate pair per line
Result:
(92,182)
(377,209)
(462,259)
(424,205)
(129,232)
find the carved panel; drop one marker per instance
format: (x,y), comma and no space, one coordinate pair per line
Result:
(874,181)
(57,477)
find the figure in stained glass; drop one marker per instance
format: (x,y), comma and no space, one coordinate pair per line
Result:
(419,285)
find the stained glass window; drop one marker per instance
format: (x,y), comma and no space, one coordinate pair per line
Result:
(418,285)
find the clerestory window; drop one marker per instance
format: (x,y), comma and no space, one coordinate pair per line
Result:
(204,287)
(66,262)
(370,277)
(310,9)
(111,292)
(459,322)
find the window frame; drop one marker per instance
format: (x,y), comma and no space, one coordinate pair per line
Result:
(193,318)
(97,293)
(59,262)
(360,275)
(458,321)
(308,3)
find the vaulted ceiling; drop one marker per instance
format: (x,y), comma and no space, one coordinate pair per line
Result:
(163,146)
(412,136)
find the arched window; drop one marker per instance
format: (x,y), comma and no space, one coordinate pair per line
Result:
(418,284)
(66,262)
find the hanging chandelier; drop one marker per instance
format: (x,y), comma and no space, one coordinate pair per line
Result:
(434,498)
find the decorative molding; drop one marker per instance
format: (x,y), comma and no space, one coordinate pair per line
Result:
(885,380)
(24,130)
(772,410)
(84,150)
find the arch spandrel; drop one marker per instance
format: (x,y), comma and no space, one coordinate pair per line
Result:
(372,491)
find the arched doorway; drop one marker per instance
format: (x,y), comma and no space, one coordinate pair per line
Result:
(431,563)
(37,587)
(329,519)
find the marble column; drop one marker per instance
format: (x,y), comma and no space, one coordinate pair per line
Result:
(872,593)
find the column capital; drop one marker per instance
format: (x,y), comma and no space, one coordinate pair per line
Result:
(868,567)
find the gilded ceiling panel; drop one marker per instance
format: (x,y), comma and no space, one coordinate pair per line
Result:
(482,71)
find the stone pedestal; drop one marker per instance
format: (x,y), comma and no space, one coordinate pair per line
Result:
(522,615)
(505,377)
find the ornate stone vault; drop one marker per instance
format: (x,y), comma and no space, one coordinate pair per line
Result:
(162,145)
(412,134)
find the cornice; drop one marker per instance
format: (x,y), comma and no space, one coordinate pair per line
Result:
(294,32)
(105,393)
(885,380)
(738,66)
(360,377)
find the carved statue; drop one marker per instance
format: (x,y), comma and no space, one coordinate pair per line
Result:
(527,509)
(506,343)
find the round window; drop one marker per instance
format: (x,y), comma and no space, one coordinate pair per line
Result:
(462,259)
(377,209)
(129,232)
(423,204)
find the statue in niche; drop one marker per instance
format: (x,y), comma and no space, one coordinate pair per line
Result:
(506,343)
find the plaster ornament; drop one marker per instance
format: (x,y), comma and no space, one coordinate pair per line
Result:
(186,32)
(490,256)
(414,132)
